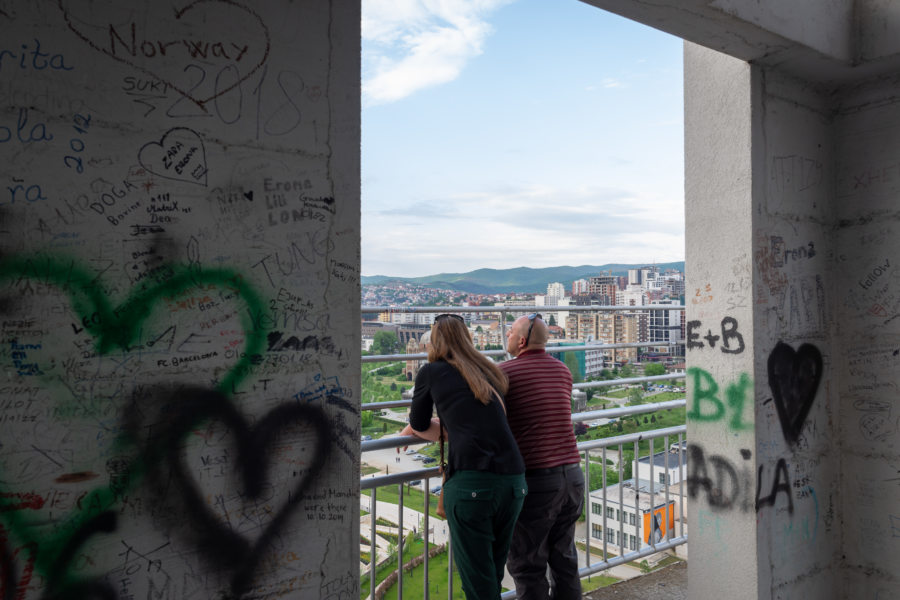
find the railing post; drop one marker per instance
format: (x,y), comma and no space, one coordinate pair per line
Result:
(637,494)
(650,537)
(587,508)
(400,541)
(450,567)
(426,535)
(373,550)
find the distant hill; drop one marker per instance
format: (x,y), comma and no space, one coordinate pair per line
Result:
(520,279)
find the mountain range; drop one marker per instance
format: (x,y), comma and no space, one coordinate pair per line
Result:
(520,279)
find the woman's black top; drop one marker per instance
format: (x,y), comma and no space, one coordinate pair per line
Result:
(480,438)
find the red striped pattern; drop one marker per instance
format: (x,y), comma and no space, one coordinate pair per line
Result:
(539,409)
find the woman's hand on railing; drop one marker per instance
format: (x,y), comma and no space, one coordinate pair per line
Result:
(432,434)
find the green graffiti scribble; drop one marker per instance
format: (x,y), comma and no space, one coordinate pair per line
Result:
(737,396)
(116,327)
(707,406)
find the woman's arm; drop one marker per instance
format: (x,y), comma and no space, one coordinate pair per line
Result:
(432,434)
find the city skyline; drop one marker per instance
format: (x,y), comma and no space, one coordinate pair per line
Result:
(501,133)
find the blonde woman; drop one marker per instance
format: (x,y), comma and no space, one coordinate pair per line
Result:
(485,484)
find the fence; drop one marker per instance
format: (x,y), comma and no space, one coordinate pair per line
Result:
(660,501)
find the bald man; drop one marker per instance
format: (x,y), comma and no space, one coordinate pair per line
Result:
(539,411)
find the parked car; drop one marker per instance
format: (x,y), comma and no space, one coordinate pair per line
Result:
(419,457)
(416,482)
(436,489)
(366,438)
(428,459)
(410,451)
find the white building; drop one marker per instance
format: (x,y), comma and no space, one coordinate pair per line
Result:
(630,518)
(555,291)
(665,466)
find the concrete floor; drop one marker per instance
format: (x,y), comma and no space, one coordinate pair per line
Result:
(669,583)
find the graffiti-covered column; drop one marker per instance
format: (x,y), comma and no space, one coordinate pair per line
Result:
(179,299)
(762,464)
(719,324)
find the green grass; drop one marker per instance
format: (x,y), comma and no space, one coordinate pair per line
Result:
(664,418)
(390,537)
(412,497)
(414,582)
(611,394)
(665,397)
(669,560)
(595,582)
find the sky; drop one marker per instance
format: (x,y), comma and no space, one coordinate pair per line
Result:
(510,133)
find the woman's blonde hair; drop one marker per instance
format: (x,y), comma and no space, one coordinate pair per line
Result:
(451,342)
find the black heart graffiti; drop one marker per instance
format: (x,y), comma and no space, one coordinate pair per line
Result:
(179,155)
(189,409)
(794,378)
(144,52)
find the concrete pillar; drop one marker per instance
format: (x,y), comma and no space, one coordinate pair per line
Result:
(179,299)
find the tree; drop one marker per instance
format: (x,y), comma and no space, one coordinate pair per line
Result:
(580,428)
(595,477)
(655,369)
(385,342)
(572,362)
(635,396)
(626,370)
(393,387)
(552,321)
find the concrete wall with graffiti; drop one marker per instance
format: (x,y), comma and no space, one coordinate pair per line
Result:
(179,255)
(793,335)
(867,259)
(798,434)
(763,465)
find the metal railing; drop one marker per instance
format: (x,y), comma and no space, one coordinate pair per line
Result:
(609,558)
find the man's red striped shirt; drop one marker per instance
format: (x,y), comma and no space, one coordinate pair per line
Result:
(539,409)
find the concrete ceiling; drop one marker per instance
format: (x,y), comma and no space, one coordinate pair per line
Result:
(830,42)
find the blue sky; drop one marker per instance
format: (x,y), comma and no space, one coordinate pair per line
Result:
(508,133)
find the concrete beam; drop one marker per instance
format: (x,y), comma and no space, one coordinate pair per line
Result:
(828,42)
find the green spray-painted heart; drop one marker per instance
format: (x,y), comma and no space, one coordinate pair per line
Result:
(114,327)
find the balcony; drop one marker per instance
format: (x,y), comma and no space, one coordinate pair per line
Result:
(635,519)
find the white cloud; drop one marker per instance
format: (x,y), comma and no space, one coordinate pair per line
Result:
(538,226)
(415,44)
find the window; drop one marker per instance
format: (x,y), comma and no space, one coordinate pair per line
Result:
(610,511)
(663,479)
(632,541)
(618,515)
(597,509)
(596,531)
(631,516)
(609,536)
(617,538)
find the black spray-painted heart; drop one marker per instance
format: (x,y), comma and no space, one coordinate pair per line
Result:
(794,378)
(179,155)
(190,408)
(163,56)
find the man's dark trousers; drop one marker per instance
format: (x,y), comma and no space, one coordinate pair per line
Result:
(545,535)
